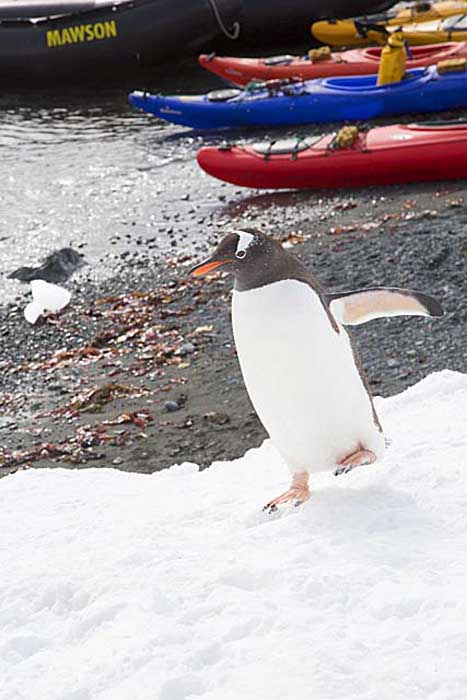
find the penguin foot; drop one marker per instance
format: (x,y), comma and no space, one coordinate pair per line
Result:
(357,459)
(296,495)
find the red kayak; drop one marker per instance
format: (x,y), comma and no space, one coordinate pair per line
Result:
(382,156)
(355,62)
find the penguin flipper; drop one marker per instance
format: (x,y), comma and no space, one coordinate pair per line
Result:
(363,305)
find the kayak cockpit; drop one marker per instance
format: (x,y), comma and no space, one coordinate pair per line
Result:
(417,53)
(365,83)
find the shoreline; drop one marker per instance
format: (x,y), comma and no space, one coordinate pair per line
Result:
(154,350)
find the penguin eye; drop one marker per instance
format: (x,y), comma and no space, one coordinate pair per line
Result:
(240,254)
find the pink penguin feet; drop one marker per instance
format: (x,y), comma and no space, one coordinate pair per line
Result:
(297,494)
(357,459)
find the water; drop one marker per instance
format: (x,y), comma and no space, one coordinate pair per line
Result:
(85,169)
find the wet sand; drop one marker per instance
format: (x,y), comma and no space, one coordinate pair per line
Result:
(140,371)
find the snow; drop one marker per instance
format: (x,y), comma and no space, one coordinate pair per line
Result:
(46,297)
(175,586)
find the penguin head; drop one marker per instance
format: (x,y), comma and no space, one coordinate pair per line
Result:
(247,253)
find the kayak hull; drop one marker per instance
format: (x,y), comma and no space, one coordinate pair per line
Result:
(386,155)
(453,28)
(422,37)
(346,32)
(89,39)
(241,71)
(317,101)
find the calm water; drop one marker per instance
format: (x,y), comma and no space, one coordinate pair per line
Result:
(87,170)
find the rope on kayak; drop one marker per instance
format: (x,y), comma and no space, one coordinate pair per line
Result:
(379,30)
(293,152)
(267,152)
(408,51)
(232,33)
(298,147)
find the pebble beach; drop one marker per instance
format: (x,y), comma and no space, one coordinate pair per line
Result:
(140,370)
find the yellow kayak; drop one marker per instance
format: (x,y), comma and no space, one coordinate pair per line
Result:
(359,30)
(451,29)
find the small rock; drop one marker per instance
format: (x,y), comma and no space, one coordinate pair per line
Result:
(90,441)
(117,460)
(185,349)
(171,406)
(216,417)
(55,387)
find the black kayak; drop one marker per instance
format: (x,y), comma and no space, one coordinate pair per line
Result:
(78,40)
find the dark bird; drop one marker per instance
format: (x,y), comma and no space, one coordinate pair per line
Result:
(57,267)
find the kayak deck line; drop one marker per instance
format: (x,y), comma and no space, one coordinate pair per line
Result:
(336,99)
(393,154)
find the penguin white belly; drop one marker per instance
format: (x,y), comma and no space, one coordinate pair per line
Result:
(301,376)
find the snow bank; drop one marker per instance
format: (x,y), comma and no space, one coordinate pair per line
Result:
(175,586)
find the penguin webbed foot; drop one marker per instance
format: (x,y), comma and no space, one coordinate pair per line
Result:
(357,459)
(295,496)
(342,470)
(273,506)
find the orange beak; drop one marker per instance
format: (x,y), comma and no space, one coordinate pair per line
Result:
(207,266)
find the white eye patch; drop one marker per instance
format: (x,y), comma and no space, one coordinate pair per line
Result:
(244,241)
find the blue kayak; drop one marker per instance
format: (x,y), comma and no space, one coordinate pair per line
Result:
(314,101)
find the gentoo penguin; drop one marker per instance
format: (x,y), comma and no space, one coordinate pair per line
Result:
(302,375)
